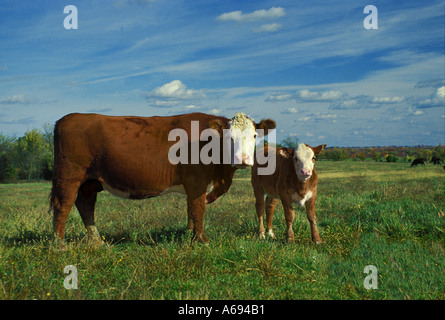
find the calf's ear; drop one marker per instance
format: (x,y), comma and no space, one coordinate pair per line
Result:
(218,125)
(266,124)
(285,152)
(319,148)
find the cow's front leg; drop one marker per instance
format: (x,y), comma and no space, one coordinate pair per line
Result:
(190,223)
(310,211)
(289,216)
(195,211)
(271,202)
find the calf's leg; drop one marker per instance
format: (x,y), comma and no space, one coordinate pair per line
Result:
(259,207)
(289,216)
(310,211)
(271,202)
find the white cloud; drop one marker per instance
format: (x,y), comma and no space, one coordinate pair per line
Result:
(170,94)
(257,15)
(272,27)
(215,111)
(176,90)
(290,110)
(437,99)
(440,93)
(387,99)
(305,95)
(317,116)
(17,99)
(276,97)
(311,96)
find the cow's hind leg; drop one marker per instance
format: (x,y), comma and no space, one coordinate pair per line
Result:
(85,202)
(62,200)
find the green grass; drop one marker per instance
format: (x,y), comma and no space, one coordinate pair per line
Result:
(382,214)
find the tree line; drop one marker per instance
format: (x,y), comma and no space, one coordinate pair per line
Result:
(31,157)
(379,154)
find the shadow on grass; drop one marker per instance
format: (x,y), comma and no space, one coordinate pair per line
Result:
(27,237)
(155,237)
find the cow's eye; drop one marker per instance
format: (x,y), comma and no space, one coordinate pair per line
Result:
(313,158)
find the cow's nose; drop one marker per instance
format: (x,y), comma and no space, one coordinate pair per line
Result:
(306,172)
(246,159)
(243,160)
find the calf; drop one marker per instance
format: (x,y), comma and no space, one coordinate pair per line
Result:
(294,180)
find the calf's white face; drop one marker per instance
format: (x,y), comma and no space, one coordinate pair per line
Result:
(304,158)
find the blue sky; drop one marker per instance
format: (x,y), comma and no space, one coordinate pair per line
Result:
(309,65)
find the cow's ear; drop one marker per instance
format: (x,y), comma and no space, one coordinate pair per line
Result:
(319,148)
(266,124)
(218,125)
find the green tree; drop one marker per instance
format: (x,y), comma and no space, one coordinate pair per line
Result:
(426,154)
(26,154)
(6,169)
(47,157)
(290,142)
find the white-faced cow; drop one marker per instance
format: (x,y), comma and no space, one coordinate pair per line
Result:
(294,181)
(129,157)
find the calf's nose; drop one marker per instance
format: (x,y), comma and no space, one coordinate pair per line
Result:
(306,172)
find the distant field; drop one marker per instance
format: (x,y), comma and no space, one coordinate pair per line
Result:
(382,214)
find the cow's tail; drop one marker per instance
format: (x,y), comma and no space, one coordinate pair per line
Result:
(51,201)
(52,195)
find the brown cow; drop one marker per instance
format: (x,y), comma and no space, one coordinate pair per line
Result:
(294,180)
(130,158)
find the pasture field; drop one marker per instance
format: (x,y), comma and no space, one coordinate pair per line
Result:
(382,214)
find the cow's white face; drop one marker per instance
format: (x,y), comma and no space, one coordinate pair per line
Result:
(239,136)
(242,140)
(304,160)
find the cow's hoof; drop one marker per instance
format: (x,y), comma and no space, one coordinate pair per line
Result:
(58,245)
(96,243)
(200,238)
